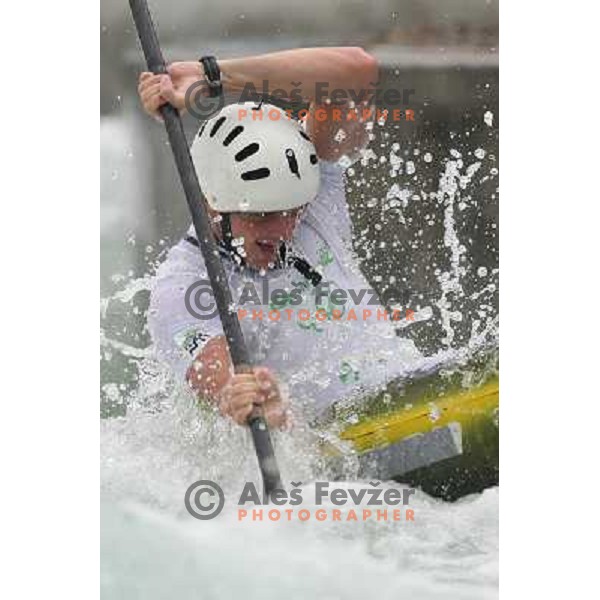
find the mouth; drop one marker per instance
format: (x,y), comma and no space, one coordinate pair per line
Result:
(267,245)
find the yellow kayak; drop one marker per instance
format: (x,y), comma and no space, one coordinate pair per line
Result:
(436,430)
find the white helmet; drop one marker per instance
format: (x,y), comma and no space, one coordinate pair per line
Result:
(252,158)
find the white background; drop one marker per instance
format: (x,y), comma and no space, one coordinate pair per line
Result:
(50,281)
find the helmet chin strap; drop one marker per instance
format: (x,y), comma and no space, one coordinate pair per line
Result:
(226,241)
(226,235)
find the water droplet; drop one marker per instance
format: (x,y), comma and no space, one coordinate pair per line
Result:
(340,136)
(344,161)
(434,413)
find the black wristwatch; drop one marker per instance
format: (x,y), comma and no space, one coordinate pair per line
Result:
(213,76)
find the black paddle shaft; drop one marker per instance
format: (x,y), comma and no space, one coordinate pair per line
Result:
(196,203)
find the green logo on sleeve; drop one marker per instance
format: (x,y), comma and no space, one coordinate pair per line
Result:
(325,256)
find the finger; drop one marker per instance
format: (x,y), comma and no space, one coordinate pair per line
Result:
(245,399)
(262,373)
(175,68)
(184,68)
(245,386)
(175,95)
(248,387)
(152,101)
(277,416)
(243,378)
(265,378)
(154,104)
(241,416)
(144,78)
(152,81)
(240,401)
(224,402)
(146,82)
(149,91)
(274,400)
(168,91)
(148,86)
(271,395)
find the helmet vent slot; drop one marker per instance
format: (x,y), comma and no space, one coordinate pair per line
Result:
(217,126)
(246,152)
(304,135)
(313,159)
(292,162)
(261,173)
(202,128)
(233,134)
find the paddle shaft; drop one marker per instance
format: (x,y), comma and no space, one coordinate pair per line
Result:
(196,203)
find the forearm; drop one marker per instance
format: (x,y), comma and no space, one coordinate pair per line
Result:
(309,71)
(211,369)
(302,75)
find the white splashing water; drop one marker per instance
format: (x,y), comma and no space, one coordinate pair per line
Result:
(452,181)
(160,555)
(152,549)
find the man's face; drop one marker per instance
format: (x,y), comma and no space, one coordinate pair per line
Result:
(263,234)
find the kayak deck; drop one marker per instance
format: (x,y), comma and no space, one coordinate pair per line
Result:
(437,431)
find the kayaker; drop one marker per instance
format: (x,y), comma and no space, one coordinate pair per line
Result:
(275,191)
